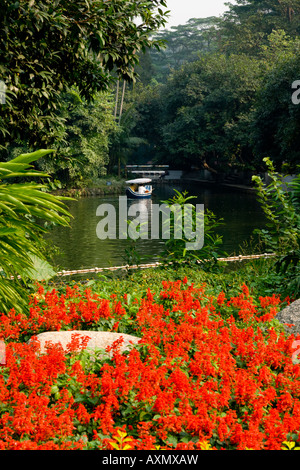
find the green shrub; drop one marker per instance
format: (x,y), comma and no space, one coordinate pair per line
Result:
(280,203)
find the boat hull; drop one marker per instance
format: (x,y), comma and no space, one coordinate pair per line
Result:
(133,195)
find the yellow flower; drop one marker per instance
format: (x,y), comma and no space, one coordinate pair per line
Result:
(205,445)
(287,445)
(121,441)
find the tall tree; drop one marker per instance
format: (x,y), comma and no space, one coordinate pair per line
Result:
(206,109)
(275,121)
(144,105)
(184,43)
(48,45)
(248,23)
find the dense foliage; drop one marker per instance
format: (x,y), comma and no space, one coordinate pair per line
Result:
(184,44)
(82,150)
(218,96)
(46,46)
(247,24)
(280,203)
(223,101)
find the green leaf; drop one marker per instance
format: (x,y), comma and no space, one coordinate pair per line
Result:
(32,157)
(7,231)
(41,270)
(172,440)
(21,241)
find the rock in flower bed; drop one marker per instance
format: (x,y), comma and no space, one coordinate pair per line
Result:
(290,317)
(208,372)
(90,340)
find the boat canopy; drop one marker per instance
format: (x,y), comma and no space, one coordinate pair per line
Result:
(139,181)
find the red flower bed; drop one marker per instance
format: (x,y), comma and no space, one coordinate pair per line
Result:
(207,369)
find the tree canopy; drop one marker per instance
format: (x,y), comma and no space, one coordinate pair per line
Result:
(229,105)
(218,95)
(185,43)
(247,24)
(49,45)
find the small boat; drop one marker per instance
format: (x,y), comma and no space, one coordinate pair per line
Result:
(139,188)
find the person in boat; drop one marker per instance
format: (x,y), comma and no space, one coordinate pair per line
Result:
(134,187)
(139,188)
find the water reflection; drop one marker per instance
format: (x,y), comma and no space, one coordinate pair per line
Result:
(139,213)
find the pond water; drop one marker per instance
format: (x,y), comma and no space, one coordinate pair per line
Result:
(80,247)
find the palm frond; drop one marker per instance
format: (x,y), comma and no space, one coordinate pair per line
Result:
(22,206)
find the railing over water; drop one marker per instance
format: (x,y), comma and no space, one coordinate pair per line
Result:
(152,265)
(156,264)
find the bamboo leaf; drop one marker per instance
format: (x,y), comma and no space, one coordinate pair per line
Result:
(33,156)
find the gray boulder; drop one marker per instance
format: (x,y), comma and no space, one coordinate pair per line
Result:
(291,315)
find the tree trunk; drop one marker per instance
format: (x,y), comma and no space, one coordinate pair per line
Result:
(117,99)
(122,101)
